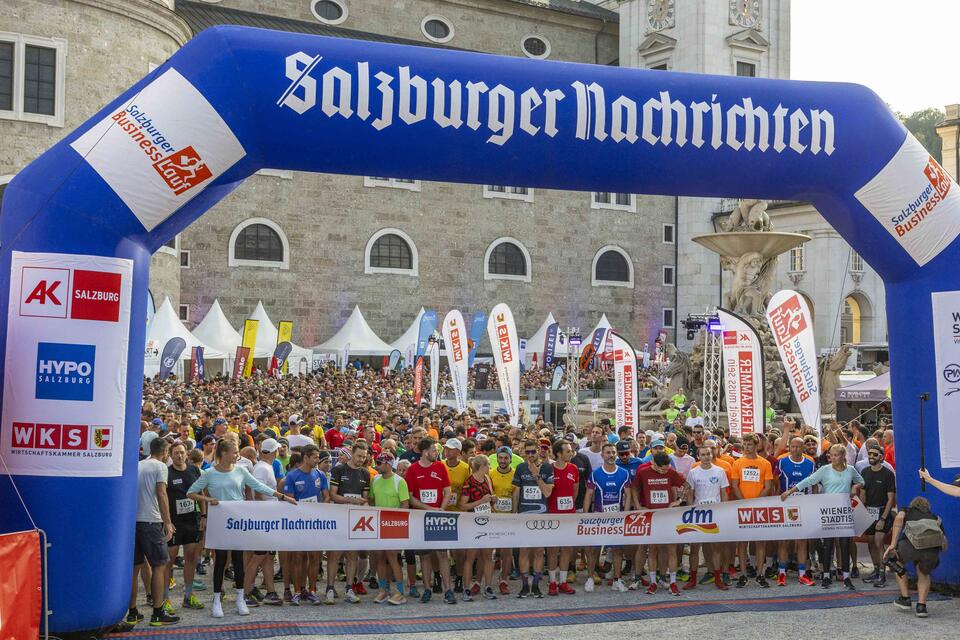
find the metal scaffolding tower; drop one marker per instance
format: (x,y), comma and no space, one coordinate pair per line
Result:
(712,377)
(573,374)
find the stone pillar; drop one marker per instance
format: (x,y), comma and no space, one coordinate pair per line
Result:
(949,132)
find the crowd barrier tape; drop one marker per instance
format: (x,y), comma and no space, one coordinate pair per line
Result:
(280,526)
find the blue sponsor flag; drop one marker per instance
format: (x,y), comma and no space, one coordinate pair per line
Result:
(550,344)
(428,324)
(282,352)
(170,355)
(197,365)
(557,377)
(477,327)
(599,336)
(394,360)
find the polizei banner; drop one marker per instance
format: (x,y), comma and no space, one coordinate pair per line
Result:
(331,527)
(792,326)
(502,332)
(742,374)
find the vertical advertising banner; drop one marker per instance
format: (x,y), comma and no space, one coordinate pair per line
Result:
(792,326)
(240,362)
(281,356)
(946,343)
(557,377)
(198,368)
(171,355)
(625,378)
(477,327)
(550,344)
(394,363)
(428,324)
(418,381)
(455,340)
(502,332)
(21,591)
(285,334)
(64,395)
(344,357)
(742,374)
(250,342)
(433,351)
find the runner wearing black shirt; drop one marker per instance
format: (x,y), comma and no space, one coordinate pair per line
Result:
(880,496)
(186,516)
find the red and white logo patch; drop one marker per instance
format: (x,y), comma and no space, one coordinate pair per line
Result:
(43,292)
(95,295)
(182,170)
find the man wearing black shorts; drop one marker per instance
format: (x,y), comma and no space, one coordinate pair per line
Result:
(154,529)
(879,497)
(185,515)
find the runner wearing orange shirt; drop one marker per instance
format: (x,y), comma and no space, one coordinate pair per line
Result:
(752,478)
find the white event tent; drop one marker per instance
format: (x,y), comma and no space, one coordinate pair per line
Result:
(217,331)
(409,336)
(267,341)
(604,324)
(358,334)
(535,343)
(164,326)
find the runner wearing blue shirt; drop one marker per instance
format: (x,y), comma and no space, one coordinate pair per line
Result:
(607,491)
(793,468)
(305,484)
(626,460)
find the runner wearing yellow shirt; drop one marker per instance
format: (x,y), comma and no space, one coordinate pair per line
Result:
(501,477)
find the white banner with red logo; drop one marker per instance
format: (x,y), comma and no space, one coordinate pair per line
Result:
(792,325)
(455,340)
(502,332)
(280,526)
(418,381)
(946,345)
(64,392)
(433,351)
(625,381)
(742,374)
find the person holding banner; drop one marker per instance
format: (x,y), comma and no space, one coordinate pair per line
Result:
(566,482)
(608,491)
(532,485)
(793,468)
(304,483)
(226,481)
(752,478)
(349,484)
(836,477)
(659,486)
(388,490)
(707,483)
(501,479)
(477,495)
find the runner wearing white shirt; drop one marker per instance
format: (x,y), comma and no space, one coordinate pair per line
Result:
(706,484)
(694,419)
(680,459)
(262,560)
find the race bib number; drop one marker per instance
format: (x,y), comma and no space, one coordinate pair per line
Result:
(483,507)
(185,506)
(531,494)
(608,508)
(565,503)
(504,505)
(874,512)
(310,499)
(750,474)
(660,496)
(428,496)
(351,495)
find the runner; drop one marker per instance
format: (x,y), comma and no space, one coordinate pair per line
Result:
(263,560)
(305,483)
(659,486)
(793,468)
(752,478)
(532,485)
(880,498)
(477,496)
(389,491)
(186,517)
(502,480)
(707,484)
(607,492)
(562,499)
(349,484)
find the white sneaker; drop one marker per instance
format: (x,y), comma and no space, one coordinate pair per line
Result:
(619,586)
(352,597)
(634,585)
(217,609)
(242,604)
(588,585)
(330,597)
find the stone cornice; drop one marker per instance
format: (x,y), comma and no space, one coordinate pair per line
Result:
(153,13)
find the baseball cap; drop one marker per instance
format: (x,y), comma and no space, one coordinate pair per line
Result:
(146,439)
(505,449)
(269,445)
(650,433)
(157,421)
(453,443)
(545,442)
(386,456)
(219,421)
(570,437)
(657,443)
(683,442)
(622,446)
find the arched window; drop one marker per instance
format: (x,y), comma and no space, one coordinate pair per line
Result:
(506,259)
(391,251)
(259,242)
(612,267)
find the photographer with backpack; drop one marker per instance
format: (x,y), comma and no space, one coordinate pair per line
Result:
(917,537)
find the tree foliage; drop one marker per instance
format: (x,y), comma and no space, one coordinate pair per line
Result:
(923,125)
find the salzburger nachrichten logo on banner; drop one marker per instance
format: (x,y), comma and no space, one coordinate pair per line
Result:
(65,371)
(440,527)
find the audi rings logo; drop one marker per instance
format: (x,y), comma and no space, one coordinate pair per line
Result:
(481,521)
(543,525)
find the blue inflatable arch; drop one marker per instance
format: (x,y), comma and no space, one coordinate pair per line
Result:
(235,100)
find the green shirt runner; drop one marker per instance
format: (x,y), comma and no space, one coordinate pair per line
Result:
(389,492)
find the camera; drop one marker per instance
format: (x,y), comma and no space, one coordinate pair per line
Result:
(893,563)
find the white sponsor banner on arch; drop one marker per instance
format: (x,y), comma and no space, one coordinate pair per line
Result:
(331,527)
(742,374)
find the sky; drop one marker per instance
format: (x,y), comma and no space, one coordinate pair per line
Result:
(907,51)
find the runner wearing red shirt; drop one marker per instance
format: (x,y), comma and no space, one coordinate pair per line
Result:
(566,482)
(657,487)
(429,487)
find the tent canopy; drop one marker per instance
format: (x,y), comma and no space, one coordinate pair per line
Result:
(535,343)
(361,338)
(409,336)
(875,389)
(267,337)
(216,331)
(165,326)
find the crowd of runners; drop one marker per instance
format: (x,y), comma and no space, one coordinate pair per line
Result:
(356,438)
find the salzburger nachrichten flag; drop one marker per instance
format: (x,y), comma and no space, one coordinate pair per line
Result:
(502,332)
(743,374)
(455,340)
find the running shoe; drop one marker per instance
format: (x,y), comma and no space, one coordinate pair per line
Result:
(566,589)
(921,610)
(751,571)
(572,577)
(674,589)
(372,582)
(467,597)
(720,582)
(165,618)
(216,609)
(382,596)
(805,580)
(201,569)
(770,572)
(359,589)
(691,583)
(427,594)
(295,600)
(524,592)
(450,597)
(475,589)
(331,596)
(178,562)
(762,581)
(287,596)
(198,585)
(504,588)
(742,581)
(458,585)
(256,593)
(133,617)
(489,594)
(172,584)
(855,572)
(397,599)
(902,602)
(848,584)
(880,582)
(652,589)
(351,597)
(826,582)
(312,598)
(414,592)
(552,589)
(535,591)
(619,586)
(272,599)
(251,601)
(682,575)
(168,608)
(871,577)
(588,585)
(708,577)
(782,580)
(192,603)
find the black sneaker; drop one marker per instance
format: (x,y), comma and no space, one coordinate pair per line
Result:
(903,602)
(272,599)
(751,571)
(762,581)
(257,594)
(524,592)
(826,582)
(178,562)
(921,610)
(163,620)
(372,582)
(437,587)
(742,581)
(848,584)
(535,591)
(228,573)
(133,617)
(770,573)
(855,572)
(871,577)
(881,581)
(458,585)
(201,569)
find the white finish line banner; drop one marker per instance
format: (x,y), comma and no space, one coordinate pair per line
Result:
(280,526)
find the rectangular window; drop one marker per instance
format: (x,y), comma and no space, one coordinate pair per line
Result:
(669,236)
(669,276)
(797,259)
(668,318)
(746,69)
(510,193)
(185,259)
(615,201)
(395,183)
(856,262)
(659,67)
(32,78)
(184,313)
